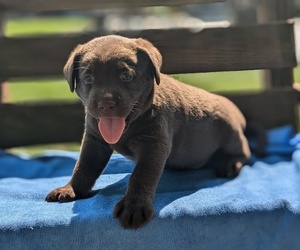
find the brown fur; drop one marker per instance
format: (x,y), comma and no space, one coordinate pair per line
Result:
(168,124)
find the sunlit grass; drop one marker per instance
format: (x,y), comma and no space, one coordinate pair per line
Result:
(40,149)
(39,90)
(224,81)
(35,25)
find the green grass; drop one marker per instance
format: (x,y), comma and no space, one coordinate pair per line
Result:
(297,74)
(224,81)
(27,26)
(39,90)
(39,149)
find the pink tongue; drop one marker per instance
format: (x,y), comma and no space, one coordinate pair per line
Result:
(111,129)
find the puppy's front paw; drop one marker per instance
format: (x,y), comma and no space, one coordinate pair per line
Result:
(133,212)
(63,194)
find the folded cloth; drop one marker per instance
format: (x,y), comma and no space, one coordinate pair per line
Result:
(259,209)
(39,167)
(281,143)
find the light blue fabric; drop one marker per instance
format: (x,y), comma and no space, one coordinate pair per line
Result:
(259,209)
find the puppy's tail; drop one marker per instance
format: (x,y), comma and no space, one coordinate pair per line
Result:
(257,134)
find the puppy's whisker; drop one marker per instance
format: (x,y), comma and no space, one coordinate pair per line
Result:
(133,110)
(135,103)
(137,109)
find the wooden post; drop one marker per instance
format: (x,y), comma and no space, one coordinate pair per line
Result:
(245,11)
(271,11)
(1,34)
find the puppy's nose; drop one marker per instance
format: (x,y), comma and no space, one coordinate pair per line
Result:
(106,106)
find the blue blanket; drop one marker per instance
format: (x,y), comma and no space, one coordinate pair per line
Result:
(259,209)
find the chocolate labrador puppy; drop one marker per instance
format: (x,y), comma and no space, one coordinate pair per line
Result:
(148,117)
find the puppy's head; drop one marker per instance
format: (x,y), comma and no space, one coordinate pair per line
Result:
(114,77)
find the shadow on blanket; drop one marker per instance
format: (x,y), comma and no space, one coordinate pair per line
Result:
(259,209)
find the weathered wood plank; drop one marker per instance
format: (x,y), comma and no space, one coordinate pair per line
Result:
(32,124)
(37,5)
(23,125)
(183,50)
(271,108)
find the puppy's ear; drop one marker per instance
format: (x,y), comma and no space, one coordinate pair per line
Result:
(71,67)
(153,54)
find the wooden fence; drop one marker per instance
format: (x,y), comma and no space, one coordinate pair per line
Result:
(258,46)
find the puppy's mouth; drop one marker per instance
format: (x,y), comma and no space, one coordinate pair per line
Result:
(111,128)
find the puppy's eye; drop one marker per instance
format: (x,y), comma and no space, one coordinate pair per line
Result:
(126,77)
(88,79)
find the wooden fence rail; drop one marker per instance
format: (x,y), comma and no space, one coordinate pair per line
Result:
(218,49)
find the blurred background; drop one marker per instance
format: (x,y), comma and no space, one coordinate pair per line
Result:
(196,16)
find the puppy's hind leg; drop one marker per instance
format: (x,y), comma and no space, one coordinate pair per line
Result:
(230,159)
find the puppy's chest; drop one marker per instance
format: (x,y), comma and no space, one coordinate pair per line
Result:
(124,146)
(124,150)
(134,141)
